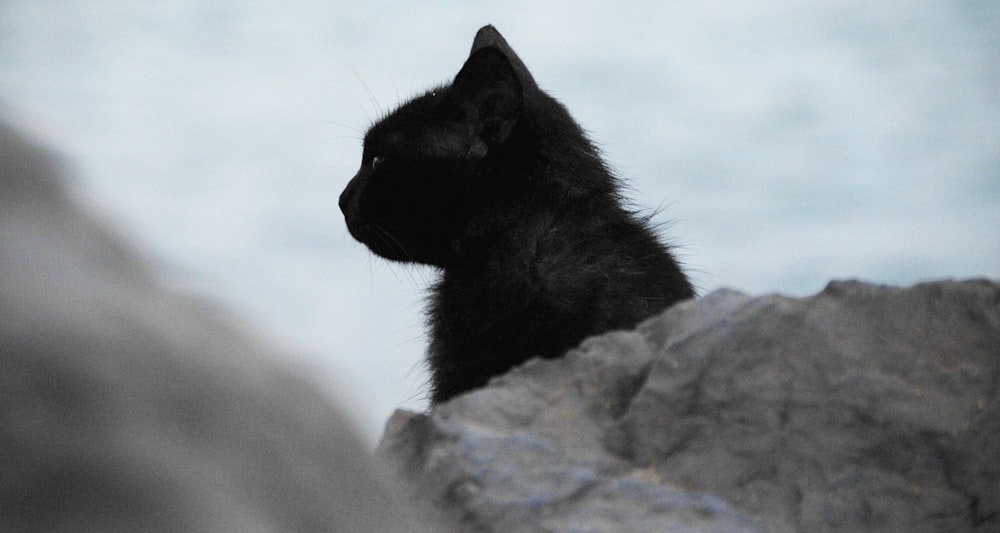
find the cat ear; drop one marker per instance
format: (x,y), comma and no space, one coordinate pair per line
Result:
(489,37)
(488,90)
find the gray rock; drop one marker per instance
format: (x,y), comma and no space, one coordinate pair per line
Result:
(124,407)
(862,408)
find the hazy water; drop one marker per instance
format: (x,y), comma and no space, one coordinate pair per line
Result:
(787,142)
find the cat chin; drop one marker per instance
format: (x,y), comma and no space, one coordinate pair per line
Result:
(387,245)
(378,240)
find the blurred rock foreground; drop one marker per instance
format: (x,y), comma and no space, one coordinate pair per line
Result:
(124,407)
(862,408)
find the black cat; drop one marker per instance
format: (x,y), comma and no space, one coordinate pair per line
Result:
(491,180)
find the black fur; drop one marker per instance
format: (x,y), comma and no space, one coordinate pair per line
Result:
(492,181)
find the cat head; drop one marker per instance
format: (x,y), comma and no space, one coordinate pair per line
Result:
(432,168)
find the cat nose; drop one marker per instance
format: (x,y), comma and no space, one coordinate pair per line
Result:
(347,203)
(343,200)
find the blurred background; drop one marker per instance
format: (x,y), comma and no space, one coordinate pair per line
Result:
(785,143)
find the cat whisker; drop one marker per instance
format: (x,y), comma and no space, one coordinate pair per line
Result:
(371,268)
(391,241)
(357,130)
(371,95)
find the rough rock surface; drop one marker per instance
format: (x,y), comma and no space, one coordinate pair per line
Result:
(862,408)
(126,408)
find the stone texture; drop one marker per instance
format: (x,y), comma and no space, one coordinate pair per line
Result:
(862,408)
(124,407)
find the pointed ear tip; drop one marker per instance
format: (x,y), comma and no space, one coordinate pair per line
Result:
(488,29)
(487,36)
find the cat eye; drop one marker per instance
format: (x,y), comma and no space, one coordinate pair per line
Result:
(376,161)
